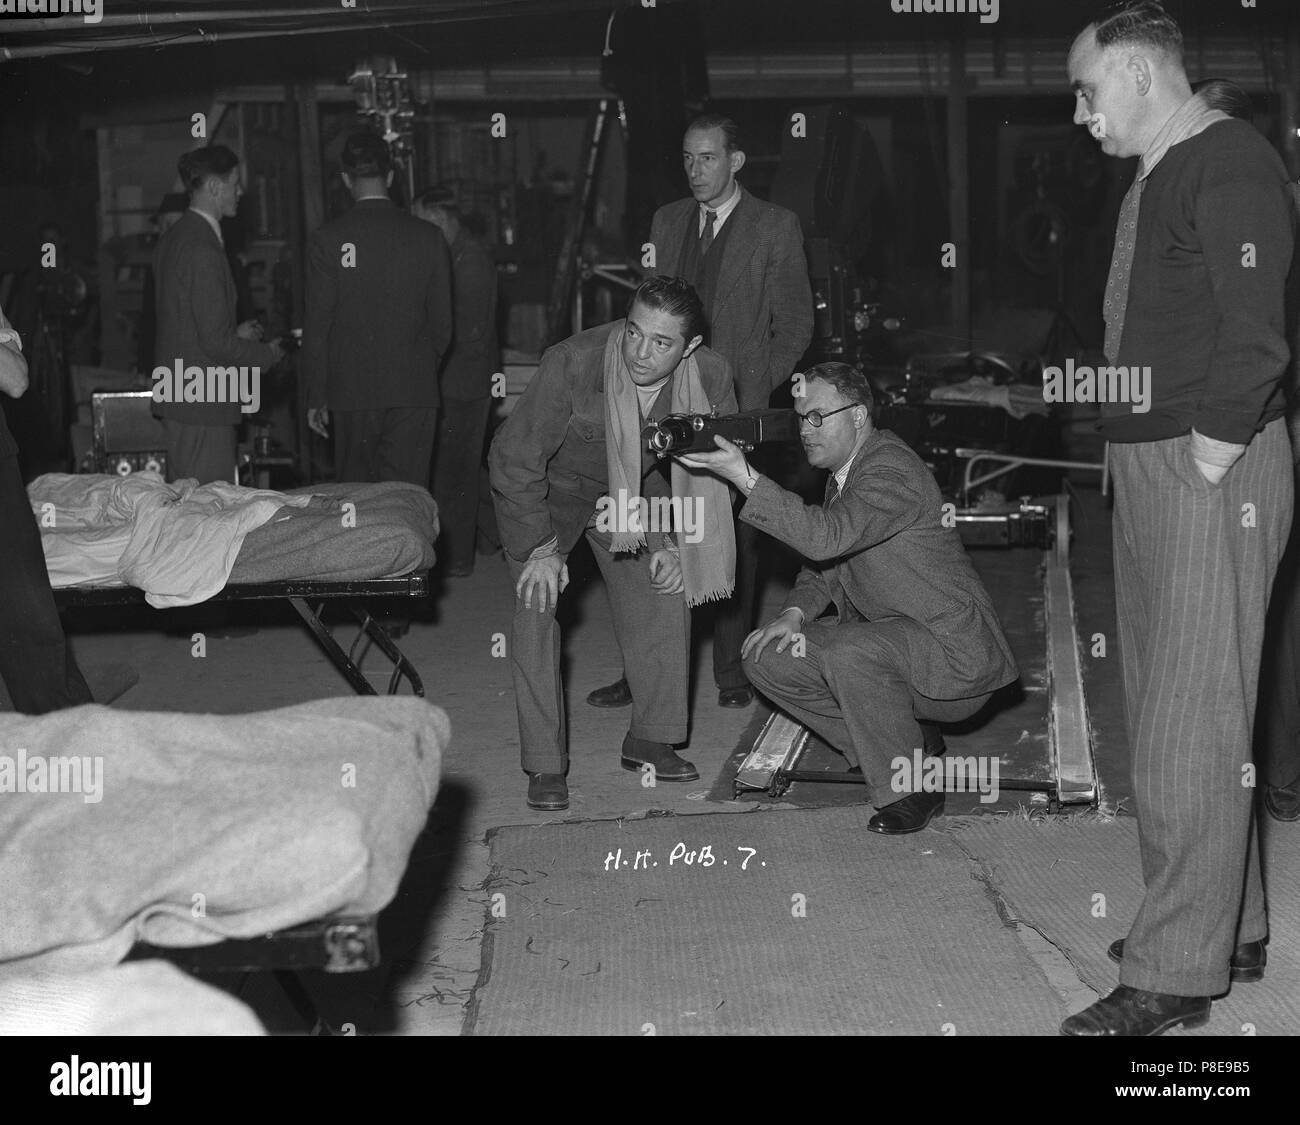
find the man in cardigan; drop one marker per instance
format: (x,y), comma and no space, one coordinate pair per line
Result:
(571,460)
(915,640)
(1203,504)
(745,258)
(378,323)
(196,323)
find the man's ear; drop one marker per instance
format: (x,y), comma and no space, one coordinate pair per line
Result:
(692,346)
(737,161)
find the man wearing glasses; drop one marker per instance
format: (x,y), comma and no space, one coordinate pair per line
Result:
(913,641)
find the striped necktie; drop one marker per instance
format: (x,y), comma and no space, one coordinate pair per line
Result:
(706,239)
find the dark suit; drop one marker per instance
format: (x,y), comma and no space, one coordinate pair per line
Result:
(548,467)
(196,317)
(378,323)
(914,637)
(36,663)
(760,318)
(466,398)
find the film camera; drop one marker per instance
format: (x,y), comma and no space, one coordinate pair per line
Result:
(694,433)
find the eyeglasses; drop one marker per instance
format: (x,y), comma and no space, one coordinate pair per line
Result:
(815,418)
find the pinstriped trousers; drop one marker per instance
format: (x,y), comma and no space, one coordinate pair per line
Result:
(1194,566)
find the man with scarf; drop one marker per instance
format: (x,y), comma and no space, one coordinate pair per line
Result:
(571,460)
(1203,504)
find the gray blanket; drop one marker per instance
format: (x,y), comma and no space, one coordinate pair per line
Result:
(182,830)
(389,531)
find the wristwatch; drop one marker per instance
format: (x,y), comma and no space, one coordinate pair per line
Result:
(751,480)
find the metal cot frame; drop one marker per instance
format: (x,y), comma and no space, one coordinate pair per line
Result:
(308,599)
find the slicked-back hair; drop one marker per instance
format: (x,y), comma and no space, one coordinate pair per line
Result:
(847,379)
(366,157)
(730,130)
(677,297)
(197,165)
(1139,23)
(1225,96)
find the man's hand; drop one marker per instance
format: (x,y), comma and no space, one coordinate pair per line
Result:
(249,330)
(728,462)
(318,420)
(781,629)
(548,577)
(666,573)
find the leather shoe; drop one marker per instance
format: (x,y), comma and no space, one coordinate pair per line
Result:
(736,696)
(1247,963)
(667,765)
(1283,801)
(548,792)
(617,694)
(911,814)
(1130,1011)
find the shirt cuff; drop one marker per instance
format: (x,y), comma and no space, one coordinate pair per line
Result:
(1212,451)
(546,550)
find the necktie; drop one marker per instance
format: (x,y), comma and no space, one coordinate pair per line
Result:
(1121,269)
(832,491)
(706,239)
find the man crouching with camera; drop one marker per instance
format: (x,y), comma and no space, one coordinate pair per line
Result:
(914,641)
(569,461)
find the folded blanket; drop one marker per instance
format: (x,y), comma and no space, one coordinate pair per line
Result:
(183,830)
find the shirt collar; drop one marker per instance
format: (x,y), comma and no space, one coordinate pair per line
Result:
(216,226)
(723,209)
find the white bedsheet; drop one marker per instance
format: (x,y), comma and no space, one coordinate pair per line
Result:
(177,542)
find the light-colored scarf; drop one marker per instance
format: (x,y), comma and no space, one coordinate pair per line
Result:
(1191,118)
(709,565)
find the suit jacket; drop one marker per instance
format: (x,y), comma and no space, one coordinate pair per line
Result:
(881,551)
(468,369)
(547,462)
(195,304)
(762,315)
(376,331)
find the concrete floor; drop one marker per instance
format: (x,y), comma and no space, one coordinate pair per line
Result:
(431,934)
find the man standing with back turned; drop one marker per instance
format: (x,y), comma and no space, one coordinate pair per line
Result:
(745,258)
(378,324)
(1203,502)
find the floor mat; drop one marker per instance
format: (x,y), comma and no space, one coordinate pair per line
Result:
(792,922)
(1050,873)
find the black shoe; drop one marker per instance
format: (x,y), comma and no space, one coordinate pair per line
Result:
(1247,963)
(1283,801)
(548,792)
(911,814)
(667,765)
(1129,1011)
(736,696)
(617,694)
